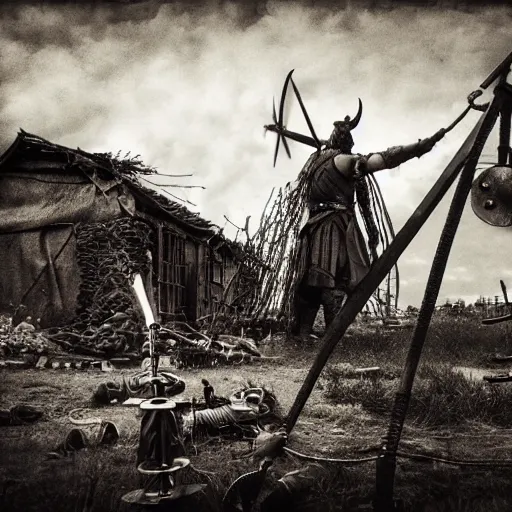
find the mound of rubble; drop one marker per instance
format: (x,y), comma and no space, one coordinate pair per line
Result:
(16,342)
(187,347)
(108,319)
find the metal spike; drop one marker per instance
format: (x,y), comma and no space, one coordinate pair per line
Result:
(281,114)
(286,147)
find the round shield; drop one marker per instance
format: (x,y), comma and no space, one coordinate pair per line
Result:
(491,196)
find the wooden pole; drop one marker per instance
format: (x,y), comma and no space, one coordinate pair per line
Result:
(504,152)
(378,272)
(386,465)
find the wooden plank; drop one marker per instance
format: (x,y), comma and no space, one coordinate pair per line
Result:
(201,266)
(160,267)
(192,282)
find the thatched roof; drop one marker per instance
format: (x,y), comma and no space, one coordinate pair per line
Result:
(31,153)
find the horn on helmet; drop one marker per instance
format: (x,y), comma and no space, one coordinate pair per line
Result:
(354,122)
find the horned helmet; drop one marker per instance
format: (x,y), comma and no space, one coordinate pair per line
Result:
(341,138)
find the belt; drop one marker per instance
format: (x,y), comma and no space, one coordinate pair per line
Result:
(328,206)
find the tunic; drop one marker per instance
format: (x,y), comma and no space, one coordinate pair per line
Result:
(332,249)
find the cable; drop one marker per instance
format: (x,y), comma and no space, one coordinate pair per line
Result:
(468,462)
(406,455)
(325,459)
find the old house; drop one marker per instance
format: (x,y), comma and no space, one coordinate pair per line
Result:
(74,225)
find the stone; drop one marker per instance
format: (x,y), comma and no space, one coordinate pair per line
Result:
(106,366)
(41,362)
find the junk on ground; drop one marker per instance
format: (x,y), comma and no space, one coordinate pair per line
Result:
(136,386)
(19,415)
(77,439)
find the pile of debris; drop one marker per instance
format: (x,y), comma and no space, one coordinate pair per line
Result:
(108,321)
(16,341)
(188,347)
(18,344)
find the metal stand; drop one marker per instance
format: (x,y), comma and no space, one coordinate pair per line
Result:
(162,463)
(464,163)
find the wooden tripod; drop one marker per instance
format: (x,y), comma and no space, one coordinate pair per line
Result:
(464,163)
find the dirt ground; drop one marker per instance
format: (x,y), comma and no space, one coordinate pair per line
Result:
(323,430)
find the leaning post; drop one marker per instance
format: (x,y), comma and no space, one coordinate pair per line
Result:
(378,272)
(386,465)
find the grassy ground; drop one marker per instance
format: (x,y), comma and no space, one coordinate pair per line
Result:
(344,417)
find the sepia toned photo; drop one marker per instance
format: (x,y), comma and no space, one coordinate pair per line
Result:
(254,255)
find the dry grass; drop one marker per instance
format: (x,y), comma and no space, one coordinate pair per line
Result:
(350,424)
(441,398)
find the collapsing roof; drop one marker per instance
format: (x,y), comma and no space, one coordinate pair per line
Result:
(51,195)
(31,153)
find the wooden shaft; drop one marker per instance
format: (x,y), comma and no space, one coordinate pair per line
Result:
(504,147)
(499,70)
(378,272)
(387,465)
(504,290)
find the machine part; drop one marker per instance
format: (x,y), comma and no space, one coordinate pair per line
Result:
(491,196)
(160,456)
(245,490)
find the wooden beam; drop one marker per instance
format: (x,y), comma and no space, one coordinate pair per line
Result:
(386,465)
(378,272)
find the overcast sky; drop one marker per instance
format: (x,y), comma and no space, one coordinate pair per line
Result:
(191,93)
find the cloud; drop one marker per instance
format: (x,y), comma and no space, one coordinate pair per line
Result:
(190,90)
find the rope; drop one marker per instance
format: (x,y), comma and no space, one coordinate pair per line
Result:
(455,462)
(326,459)
(405,455)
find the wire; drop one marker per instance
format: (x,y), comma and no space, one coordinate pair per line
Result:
(406,455)
(455,462)
(326,459)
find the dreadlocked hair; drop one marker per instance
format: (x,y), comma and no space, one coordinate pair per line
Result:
(277,242)
(363,200)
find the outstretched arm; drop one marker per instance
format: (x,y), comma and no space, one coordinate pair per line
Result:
(397,155)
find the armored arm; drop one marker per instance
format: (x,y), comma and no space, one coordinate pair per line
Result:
(396,155)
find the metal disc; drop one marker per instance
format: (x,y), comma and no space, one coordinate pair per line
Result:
(154,404)
(139,496)
(491,196)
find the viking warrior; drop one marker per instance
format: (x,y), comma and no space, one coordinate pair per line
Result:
(332,256)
